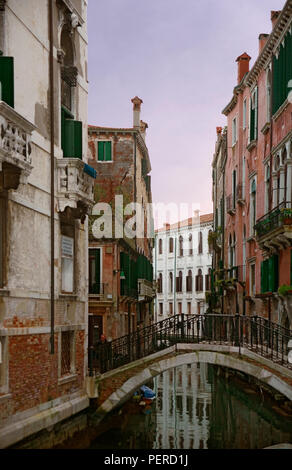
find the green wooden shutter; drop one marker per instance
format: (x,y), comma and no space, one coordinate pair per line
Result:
(273,274)
(256,114)
(72,139)
(265,276)
(101,151)
(7,80)
(108,151)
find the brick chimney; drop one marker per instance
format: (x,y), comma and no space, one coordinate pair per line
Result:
(136,112)
(262,41)
(243,66)
(219,130)
(143,127)
(166,226)
(274,17)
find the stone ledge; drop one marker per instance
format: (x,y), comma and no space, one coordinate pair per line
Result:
(18,431)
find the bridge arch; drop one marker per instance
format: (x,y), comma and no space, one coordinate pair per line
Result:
(247,362)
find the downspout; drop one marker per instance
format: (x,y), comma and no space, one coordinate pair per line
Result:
(223,232)
(52,112)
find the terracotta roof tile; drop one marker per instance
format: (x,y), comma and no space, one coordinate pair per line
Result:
(205,218)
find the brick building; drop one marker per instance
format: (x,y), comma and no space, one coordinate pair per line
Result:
(254,212)
(46,191)
(120,267)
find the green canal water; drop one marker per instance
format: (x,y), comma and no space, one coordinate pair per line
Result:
(197,407)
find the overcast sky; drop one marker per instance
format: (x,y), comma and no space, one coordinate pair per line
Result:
(179,57)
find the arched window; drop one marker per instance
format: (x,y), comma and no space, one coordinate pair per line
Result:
(170,282)
(190,244)
(160,246)
(159,287)
(199,281)
(181,249)
(208,280)
(200,241)
(179,282)
(189,283)
(171,245)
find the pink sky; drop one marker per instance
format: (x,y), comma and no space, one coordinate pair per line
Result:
(179,57)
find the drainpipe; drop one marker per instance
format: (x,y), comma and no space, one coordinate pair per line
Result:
(174,280)
(223,233)
(52,112)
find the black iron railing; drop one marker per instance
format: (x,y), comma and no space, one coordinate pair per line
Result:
(255,333)
(274,219)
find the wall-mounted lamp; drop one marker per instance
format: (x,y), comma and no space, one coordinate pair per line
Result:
(122,275)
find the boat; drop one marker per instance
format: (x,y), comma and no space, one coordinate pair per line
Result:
(147,394)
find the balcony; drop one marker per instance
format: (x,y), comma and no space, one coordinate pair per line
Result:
(274,230)
(146,290)
(99,292)
(240,197)
(15,148)
(230,204)
(75,184)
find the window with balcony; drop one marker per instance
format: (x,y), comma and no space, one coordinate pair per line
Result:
(95,286)
(7,80)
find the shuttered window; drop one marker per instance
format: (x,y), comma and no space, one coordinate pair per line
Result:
(94,271)
(270,274)
(104,151)
(253,129)
(7,80)
(282,73)
(71,135)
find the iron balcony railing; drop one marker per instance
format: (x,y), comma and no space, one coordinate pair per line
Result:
(255,333)
(274,219)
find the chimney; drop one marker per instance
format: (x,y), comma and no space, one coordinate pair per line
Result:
(143,127)
(243,66)
(262,41)
(136,112)
(219,130)
(274,17)
(166,226)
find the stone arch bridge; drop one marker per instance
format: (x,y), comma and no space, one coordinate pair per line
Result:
(251,345)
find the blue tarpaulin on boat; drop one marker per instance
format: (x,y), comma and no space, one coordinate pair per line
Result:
(147,392)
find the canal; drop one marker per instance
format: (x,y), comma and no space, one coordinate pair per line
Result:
(197,406)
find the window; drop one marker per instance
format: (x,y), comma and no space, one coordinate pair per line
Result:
(200,246)
(189,281)
(67,255)
(170,283)
(208,280)
(252,280)
(243,178)
(160,246)
(190,244)
(179,282)
(269,94)
(189,306)
(233,189)
(179,308)
(159,287)
(181,249)
(267,188)
(234,131)
(244,114)
(95,286)
(270,274)
(104,151)
(282,72)
(253,121)
(244,253)
(67,352)
(160,308)
(230,252)
(7,80)
(3,365)
(252,207)
(170,308)
(199,281)
(171,245)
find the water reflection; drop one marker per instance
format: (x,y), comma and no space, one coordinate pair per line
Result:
(196,408)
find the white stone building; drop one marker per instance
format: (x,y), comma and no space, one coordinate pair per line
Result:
(46,192)
(182,267)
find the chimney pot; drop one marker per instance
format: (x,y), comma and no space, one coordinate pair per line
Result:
(136,111)
(243,66)
(262,41)
(219,130)
(274,16)
(167,226)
